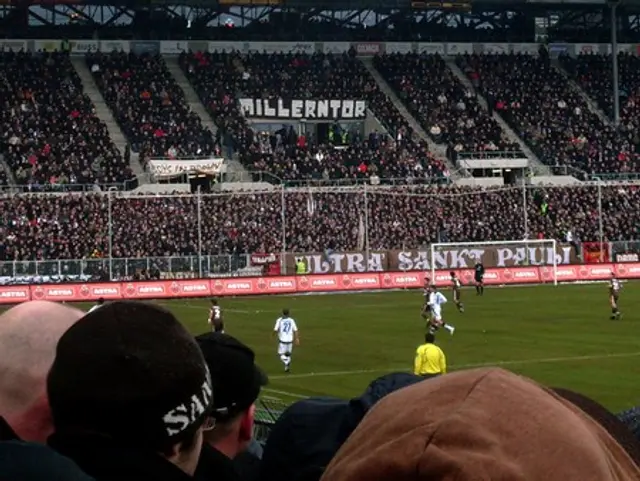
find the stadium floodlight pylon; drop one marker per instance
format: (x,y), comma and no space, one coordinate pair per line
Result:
(446,256)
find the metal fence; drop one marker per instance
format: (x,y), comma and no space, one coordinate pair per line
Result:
(210,234)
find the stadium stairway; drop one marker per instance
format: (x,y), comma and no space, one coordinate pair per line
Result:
(438,151)
(190,94)
(7,170)
(538,167)
(593,106)
(104,113)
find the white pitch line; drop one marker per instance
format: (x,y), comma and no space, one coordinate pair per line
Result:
(466,366)
(286,393)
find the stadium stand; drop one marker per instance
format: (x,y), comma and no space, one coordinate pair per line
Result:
(593,74)
(50,134)
(219,77)
(536,99)
(149,105)
(75,226)
(446,109)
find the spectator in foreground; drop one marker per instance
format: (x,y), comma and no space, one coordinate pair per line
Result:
(310,432)
(130,394)
(482,424)
(236,381)
(29,333)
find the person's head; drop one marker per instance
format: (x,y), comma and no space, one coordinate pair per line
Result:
(236,382)
(214,302)
(285,312)
(485,424)
(429,338)
(101,301)
(132,373)
(452,274)
(433,288)
(29,333)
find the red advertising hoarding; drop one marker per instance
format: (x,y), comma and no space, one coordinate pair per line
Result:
(242,286)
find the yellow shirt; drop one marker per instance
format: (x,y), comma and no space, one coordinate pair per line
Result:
(429,360)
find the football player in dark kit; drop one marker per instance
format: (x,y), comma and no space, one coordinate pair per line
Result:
(479,277)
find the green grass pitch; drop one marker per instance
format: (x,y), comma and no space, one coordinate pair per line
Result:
(560,336)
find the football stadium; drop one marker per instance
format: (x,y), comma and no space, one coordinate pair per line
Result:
(291,240)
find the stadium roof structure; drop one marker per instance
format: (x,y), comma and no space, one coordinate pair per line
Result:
(563,20)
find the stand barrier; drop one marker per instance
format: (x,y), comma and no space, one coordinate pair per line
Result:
(239,286)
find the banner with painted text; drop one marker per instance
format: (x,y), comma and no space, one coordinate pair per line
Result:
(420,260)
(368,49)
(171,168)
(239,286)
(309,109)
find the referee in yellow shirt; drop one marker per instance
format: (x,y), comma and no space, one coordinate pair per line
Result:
(430,360)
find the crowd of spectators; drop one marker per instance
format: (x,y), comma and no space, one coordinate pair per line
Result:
(221,78)
(593,74)
(49,132)
(447,110)
(76,226)
(149,105)
(543,109)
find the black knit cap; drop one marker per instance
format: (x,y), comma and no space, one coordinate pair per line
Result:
(236,378)
(130,371)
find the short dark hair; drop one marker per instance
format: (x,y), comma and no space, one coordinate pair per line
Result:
(101,300)
(452,274)
(429,338)
(214,301)
(285,312)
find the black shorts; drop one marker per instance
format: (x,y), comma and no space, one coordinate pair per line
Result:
(218,326)
(615,296)
(479,279)
(456,294)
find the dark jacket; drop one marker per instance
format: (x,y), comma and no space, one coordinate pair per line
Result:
(215,466)
(24,461)
(309,432)
(6,432)
(108,460)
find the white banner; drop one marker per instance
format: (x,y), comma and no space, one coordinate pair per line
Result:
(173,48)
(431,48)
(282,47)
(459,48)
(309,109)
(398,47)
(13,45)
(228,47)
(171,168)
(108,46)
(82,47)
(336,47)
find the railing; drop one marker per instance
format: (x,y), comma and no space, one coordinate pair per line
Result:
(615,176)
(125,268)
(67,188)
(491,154)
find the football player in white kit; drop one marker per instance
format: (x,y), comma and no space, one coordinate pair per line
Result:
(287,332)
(98,305)
(436,301)
(215,317)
